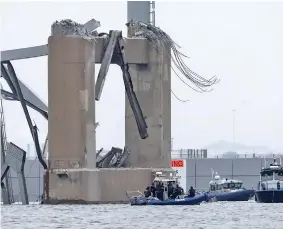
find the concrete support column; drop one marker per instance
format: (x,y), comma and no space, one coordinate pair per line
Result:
(71,106)
(152,84)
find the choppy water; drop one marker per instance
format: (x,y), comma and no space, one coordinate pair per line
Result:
(226,215)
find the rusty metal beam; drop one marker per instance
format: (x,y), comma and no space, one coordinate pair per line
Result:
(106,61)
(133,100)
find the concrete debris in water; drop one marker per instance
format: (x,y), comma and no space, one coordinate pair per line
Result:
(67,27)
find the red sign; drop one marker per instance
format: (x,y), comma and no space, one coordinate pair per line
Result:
(177,163)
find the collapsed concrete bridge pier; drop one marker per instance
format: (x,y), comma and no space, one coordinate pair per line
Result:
(72,176)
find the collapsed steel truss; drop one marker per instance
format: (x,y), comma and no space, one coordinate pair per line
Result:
(116,157)
(15,159)
(6,185)
(114,53)
(115,49)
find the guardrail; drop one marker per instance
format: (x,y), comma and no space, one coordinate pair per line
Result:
(189,153)
(185,154)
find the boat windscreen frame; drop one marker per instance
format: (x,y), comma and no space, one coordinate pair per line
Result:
(270,172)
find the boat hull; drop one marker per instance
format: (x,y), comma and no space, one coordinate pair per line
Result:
(269,196)
(185,201)
(243,195)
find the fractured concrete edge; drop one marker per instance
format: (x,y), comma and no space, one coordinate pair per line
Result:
(70,28)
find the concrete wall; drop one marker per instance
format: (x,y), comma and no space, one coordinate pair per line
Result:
(97,186)
(75,186)
(114,183)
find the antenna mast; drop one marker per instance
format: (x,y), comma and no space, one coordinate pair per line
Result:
(212,173)
(152,12)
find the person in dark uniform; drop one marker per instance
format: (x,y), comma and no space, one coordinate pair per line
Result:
(153,190)
(161,191)
(278,185)
(192,192)
(180,190)
(170,190)
(175,193)
(158,190)
(147,192)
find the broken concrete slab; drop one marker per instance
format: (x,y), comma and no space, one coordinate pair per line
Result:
(68,27)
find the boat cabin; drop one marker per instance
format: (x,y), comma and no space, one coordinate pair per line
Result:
(271,178)
(218,184)
(166,180)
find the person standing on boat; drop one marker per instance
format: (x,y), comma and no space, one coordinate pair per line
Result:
(180,190)
(278,185)
(153,190)
(162,191)
(170,190)
(175,193)
(159,194)
(192,192)
(147,192)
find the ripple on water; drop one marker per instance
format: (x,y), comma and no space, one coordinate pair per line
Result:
(226,215)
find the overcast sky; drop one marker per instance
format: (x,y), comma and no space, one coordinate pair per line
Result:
(241,43)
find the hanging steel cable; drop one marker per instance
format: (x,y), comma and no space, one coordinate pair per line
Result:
(155,35)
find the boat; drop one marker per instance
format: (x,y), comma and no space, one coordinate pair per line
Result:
(270,186)
(228,189)
(140,199)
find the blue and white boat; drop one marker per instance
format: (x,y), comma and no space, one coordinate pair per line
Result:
(140,199)
(270,186)
(228,190)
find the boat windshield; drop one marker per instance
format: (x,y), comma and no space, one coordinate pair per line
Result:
(278,175)
(228,185)
(266,177)
(232,185)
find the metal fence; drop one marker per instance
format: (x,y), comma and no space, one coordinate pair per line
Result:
(204,153)
(34,181)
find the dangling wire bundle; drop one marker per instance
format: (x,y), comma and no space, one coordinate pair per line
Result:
(155,35)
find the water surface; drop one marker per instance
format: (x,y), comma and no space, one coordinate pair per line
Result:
(226,215)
